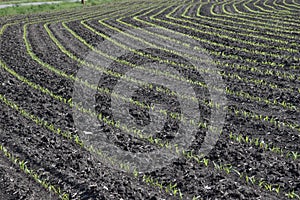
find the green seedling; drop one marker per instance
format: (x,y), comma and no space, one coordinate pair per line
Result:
(238,173)
(205,162)
(240,138)
(247,179)
(227,168)
(135,173)
(277,189)
(180,194)
(268,187)
(261,183)
(160,185)
(292,195)
(216,166)
(247,139)
(252,180)
(295,155)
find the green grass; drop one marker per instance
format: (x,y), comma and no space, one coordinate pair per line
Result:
(16,10)
(3,2)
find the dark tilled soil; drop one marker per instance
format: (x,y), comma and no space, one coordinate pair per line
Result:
(84,175)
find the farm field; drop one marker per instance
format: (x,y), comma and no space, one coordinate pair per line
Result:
(152,99)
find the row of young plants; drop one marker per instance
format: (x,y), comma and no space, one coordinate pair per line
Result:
(270,72)
(242,26)
(245,95)
(233,20)
(59,98)
(277,10)
(250,51)
(67,134)
(295,3)
(266,118)
(223,55)
(244,32)
(172,115)
(22,165)
(291,5)
(256,9)
(260,143)
(230,38)
(228,75)
(272,9)
(168,187)
(258,21)
(284,7)
(260,9)
(216,165)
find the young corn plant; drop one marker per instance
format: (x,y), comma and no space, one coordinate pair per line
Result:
(261,183)
(238,173)
(216,166)
(292,195)
(30,172)
(205,162)
(227,168)
(268,187)
(277,189)
(252,180)
(295,155)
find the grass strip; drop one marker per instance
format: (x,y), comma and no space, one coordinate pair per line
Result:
(30,9)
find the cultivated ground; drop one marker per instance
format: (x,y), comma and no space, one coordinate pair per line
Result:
(152,100)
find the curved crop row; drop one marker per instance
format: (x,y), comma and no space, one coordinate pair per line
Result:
(261,82)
